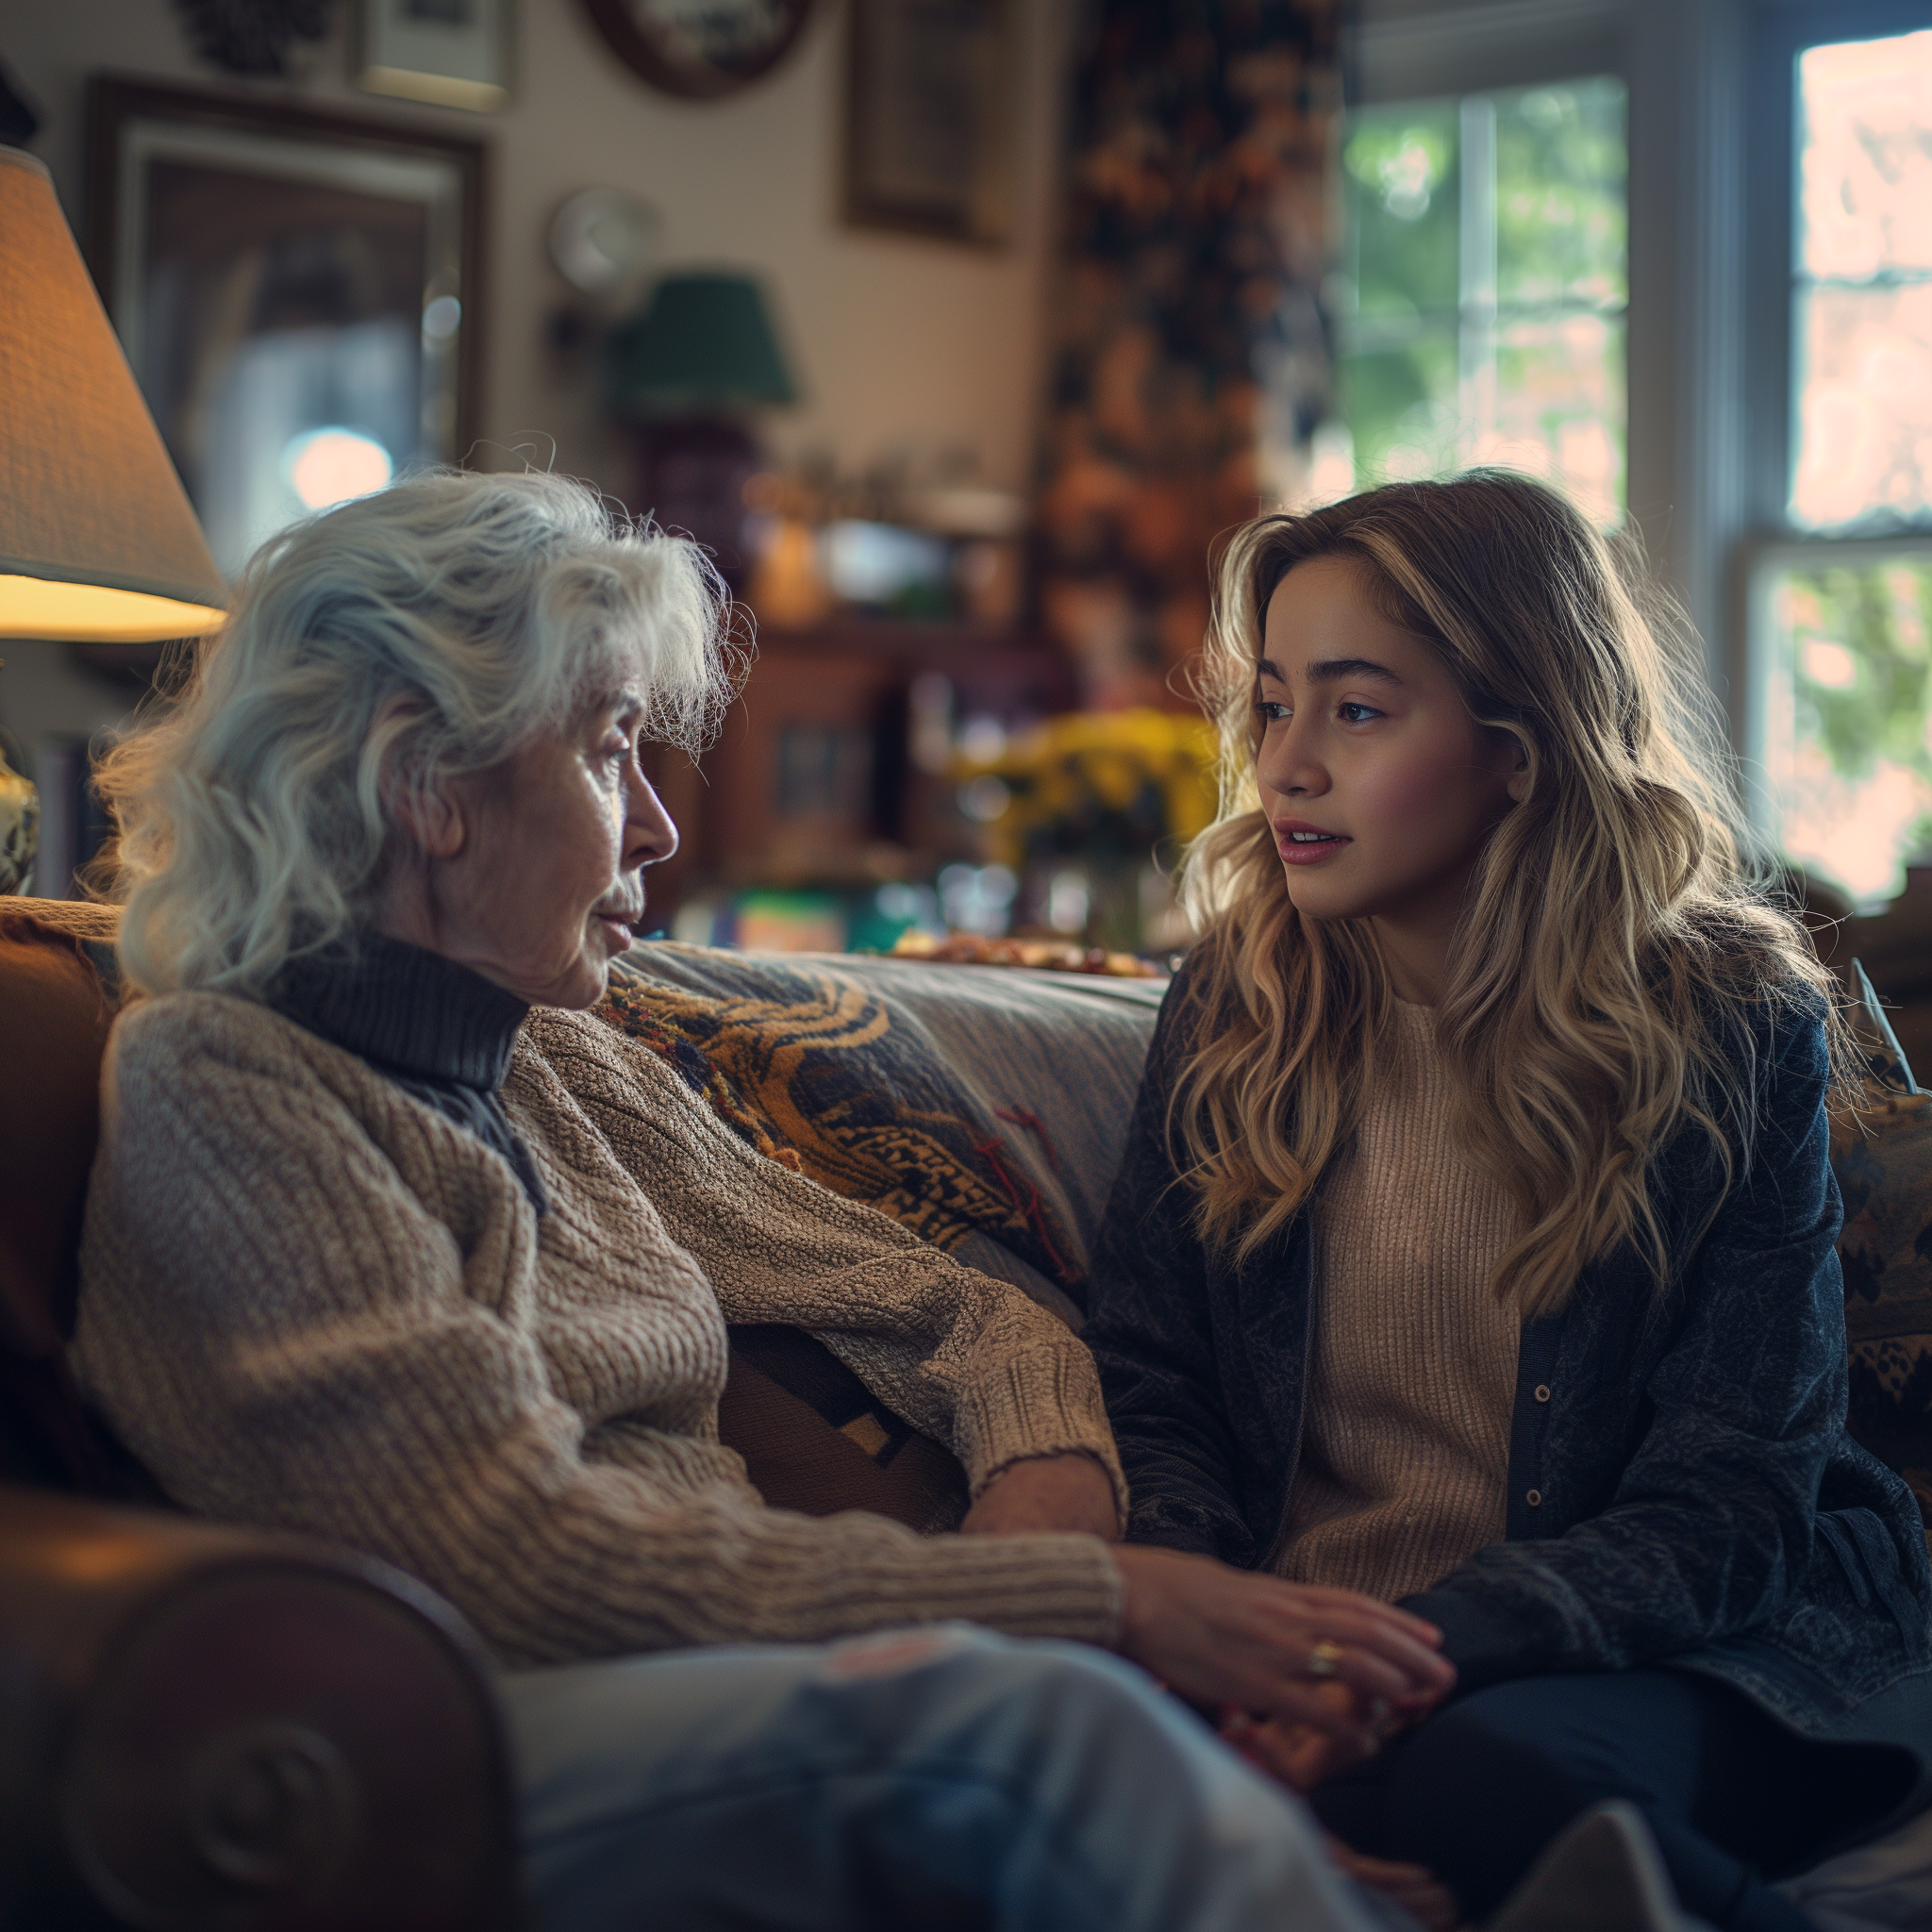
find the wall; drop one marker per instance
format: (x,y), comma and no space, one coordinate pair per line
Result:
(898,342)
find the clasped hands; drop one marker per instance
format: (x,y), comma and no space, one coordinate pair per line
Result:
(1315,1679)
(1305,1681)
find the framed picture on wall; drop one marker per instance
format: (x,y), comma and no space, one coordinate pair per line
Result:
(298,291)
(928,125)
(454,53)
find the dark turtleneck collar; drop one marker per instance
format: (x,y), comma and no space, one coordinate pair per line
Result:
(404,1011)
(439,1031)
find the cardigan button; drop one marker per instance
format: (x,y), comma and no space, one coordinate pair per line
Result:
(1534,1499)
(1542,1392)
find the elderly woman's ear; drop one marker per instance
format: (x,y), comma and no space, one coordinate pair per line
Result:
(417,799)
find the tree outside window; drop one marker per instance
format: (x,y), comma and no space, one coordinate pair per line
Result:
(1842,621)
(1481,311)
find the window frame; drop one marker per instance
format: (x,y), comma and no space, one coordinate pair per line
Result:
(1772,543)
(1477,318)
(1779,38)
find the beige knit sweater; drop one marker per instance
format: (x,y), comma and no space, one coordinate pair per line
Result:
(310,1302)
(1412,1375)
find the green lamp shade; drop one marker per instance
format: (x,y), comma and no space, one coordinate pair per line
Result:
(704,343)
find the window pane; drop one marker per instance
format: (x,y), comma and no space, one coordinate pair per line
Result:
(1560,221)
(1559,408)
(1402,191)
(1847,749)
(1865,157)
(1863,370)
(1401,406)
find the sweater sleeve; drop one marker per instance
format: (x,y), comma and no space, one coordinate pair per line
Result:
(965,1358)
(1150,1328)
(1712,1522)
(288,1336)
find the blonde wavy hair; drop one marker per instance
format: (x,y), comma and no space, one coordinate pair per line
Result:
(398,641)
(1616,937)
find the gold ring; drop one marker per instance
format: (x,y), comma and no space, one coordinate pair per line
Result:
(1324,1659)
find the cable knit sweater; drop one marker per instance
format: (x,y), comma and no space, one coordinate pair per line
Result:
(310,1300)
(1412,1371)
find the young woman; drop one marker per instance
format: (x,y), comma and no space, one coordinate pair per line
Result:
(1474,1247)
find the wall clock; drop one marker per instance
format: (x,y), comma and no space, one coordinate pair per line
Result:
(699,49)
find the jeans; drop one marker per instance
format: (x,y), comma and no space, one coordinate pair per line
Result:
(940,1778)
(1729,1794)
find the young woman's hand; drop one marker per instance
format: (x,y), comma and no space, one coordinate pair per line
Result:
(1069,1491)
(1224,1635)
(1301,1757)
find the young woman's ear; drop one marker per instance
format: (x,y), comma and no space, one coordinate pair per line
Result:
(1517,784)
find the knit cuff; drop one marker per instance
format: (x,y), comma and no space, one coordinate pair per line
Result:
(1045,1402)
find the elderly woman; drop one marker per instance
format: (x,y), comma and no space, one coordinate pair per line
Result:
(392,1243)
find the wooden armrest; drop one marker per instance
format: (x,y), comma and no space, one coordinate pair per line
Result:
(202,1726)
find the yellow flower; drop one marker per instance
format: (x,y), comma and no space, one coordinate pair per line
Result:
(1087,765)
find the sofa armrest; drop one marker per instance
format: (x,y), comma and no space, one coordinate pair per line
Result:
(203,1726)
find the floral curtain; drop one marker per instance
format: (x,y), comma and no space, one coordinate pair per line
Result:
(1190,362)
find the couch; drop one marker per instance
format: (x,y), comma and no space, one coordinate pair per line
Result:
(205,1725)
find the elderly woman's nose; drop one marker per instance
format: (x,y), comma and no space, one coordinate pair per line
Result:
(649,835)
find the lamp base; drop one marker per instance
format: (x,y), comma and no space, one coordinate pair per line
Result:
(691,472)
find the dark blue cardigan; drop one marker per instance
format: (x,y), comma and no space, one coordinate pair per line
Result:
(1681,1485)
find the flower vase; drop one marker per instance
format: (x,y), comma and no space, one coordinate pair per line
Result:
(1113,900)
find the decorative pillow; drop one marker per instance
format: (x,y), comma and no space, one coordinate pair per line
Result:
(1883,1160)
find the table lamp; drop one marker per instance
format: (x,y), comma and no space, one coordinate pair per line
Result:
(687,369)
(98,542)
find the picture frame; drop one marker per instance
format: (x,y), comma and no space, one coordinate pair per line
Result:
(699,52)
(298,291)
(450,53)
(929,122)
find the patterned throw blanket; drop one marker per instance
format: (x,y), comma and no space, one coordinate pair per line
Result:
(810,1067)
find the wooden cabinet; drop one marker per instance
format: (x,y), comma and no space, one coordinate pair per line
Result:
(832,752)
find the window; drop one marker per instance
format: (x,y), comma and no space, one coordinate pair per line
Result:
(1841,617)
(1861,304)
(1480,309)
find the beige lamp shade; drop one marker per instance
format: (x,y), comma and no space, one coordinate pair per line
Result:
(98,537)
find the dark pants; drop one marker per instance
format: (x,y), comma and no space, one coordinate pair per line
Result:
(1479,1789)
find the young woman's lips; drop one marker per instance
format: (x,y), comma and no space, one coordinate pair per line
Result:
(1307,845)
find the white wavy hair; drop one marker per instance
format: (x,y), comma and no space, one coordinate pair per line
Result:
(429,630)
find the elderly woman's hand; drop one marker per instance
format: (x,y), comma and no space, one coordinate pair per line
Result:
(1220,1636)
(1067,1491)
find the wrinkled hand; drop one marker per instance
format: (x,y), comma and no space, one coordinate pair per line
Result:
(1069,1491)
(1224,1635)
(1414,1888)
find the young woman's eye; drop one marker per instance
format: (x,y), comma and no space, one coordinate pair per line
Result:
(1273,712)
(1352,713)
